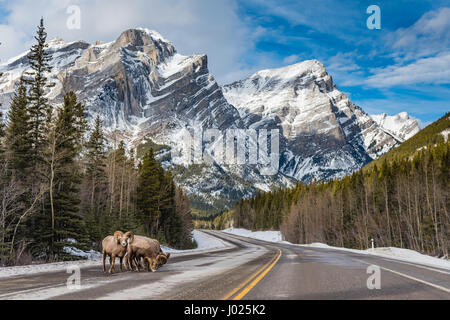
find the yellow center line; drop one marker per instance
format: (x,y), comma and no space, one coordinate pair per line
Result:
(246,281)
(256,277)
(254,282)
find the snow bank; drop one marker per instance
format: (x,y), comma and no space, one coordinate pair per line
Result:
(90,255)
(45,267)
(401,254)
(271,236)
(204,242)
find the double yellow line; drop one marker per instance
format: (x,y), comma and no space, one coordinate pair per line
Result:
(248,284)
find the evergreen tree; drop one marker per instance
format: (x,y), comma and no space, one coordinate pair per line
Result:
(148,194)
(96,185)
(39,108)
(95,162)
(171,223)
(60,219)
(18,133)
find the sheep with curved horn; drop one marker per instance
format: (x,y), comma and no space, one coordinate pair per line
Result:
(148,249)
(115,246)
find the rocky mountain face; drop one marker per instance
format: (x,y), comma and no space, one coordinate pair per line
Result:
(401,126)
(325,135)
(145,92)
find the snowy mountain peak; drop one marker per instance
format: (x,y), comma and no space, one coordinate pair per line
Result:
(325,134)
(154,34)
(142,37)
(144,90)
(401,126)
(293,71)
(56,43)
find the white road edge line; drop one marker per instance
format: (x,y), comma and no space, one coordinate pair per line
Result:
(414,265)
(409,277)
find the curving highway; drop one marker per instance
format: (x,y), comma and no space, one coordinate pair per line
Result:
(246,269)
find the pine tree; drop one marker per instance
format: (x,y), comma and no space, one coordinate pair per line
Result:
(60,219)
(148,194)
(39,108)
(18,133)
(96,185)
(95,162)
(170,223)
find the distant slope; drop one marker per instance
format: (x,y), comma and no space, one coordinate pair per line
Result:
(401,126)
(431,135)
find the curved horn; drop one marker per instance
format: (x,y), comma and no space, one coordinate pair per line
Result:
(117,235)
(162,259)
(130,236)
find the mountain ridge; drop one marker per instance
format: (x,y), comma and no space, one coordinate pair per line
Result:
(142,88)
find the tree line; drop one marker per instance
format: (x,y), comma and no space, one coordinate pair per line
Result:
(62,184)
(399,201)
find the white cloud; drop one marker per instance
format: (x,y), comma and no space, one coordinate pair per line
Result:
(344,69)
(435,70)
(199,26)
(11,40)
(421,53)
(291,59)
(428,36)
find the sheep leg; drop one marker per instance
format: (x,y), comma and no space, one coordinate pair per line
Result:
(145,263)
(104,261)
(130,261)
(121,260)
(113,262)
(135,263)
(151,265)
(138,263)
(127,266)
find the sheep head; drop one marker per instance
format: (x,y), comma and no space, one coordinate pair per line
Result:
(117,236)
(127,238)
(162,259)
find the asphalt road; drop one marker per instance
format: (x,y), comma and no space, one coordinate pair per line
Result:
(246,269)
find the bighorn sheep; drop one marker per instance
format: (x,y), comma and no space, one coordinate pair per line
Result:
(146,248)
(161,259)
(115,246)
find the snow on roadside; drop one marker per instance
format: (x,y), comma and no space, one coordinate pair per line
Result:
(204,241)
(6,272)
(90,255)
(405,255)
(271,236)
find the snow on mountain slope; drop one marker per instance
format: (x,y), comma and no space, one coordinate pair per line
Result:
(64,56)
(401,125)
(325,134)
(143,89)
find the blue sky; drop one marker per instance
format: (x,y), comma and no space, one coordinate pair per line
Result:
(378,69)
(404,66)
